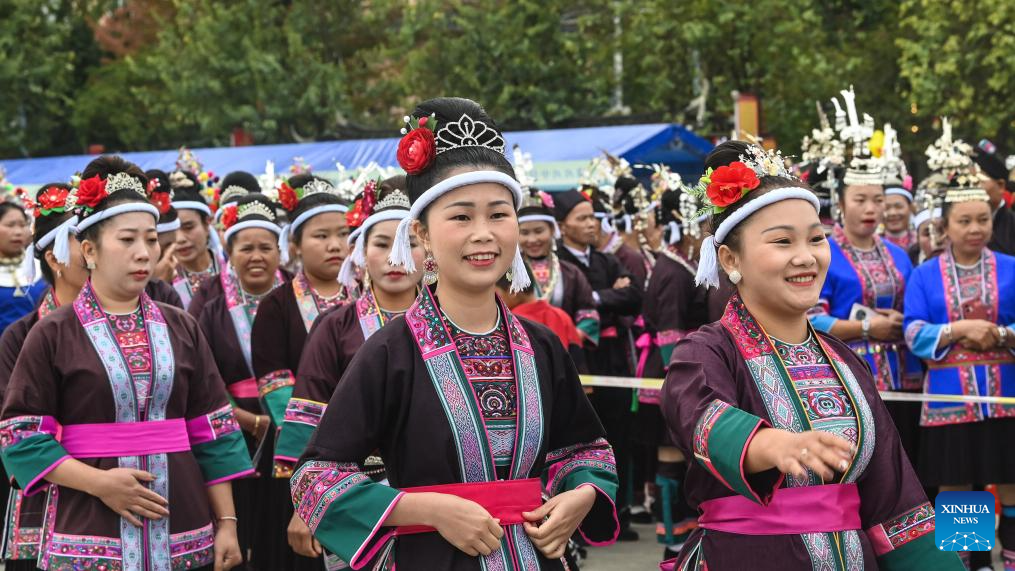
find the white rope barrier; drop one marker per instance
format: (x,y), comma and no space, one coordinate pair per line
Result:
(649,383)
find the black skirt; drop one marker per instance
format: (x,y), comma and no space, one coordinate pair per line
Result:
(906,416)
(968,453)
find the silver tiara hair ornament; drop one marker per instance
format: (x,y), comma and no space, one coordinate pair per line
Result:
(467,132)
(254,209)
(394,199)
(123,181)
(232,191)
(317,186)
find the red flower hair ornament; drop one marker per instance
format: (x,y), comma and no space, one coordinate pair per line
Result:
(90,193)
(230,214)
(288,197)
(418,147)
(728,184)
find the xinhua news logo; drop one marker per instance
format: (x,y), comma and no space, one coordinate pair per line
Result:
(964,521)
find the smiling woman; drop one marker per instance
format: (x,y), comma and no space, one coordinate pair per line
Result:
(776,414)
(110,366)
(460,377)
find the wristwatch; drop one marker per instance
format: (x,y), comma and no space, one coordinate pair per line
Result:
(1002,333)
(865,327)
(947,332)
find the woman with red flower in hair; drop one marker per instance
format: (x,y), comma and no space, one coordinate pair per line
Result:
(494,398)
(793,459)
(114,409)
(319,234)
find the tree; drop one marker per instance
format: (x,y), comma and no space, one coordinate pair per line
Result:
(958,59)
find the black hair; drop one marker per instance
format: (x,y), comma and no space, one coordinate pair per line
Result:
(723,155)
(242,179)
(105,167)
(44,225)
(6,206)
(623,201)
(446,110)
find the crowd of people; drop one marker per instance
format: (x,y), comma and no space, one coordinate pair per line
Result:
(386,371)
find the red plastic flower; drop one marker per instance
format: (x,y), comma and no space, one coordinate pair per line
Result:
(91,192)
(162,201)
(53,197)
(355,217)
(416,150)
(230,215)
(730,183)
(287,197)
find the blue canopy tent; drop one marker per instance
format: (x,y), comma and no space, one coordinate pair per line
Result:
(560,155)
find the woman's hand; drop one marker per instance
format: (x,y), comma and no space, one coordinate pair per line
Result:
(300,538)
(562,514)
(887,325)
(122,490)
(227,546)
(976,334)
(165,268)
(466,525)
(795,452)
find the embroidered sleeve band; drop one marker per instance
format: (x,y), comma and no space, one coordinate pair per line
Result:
(720,444)
(275,389)
(588,464)
(344,509)
(218,446)
(30,450)
(301,418)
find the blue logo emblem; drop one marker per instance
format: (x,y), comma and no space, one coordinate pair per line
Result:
(964,521)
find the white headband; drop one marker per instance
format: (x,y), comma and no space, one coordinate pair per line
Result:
(925,216)
(192,205)
(168,226)
(347,275)
(61,250)
(542,218)
(262,224)
(899,191)
(289,231)
(401,249)
(708,267)
(117,210)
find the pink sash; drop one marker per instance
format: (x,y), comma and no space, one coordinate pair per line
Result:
(504,499)
(813,509)
(116,439)
(245,389)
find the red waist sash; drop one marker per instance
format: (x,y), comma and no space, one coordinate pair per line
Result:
(813,509)
(245,389)
(504,499)
(115,439)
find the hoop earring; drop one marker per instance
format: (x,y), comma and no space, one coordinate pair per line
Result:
(735,277)
(429,269)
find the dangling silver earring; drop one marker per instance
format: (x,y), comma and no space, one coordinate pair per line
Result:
(735,277)
(429,270)
(59,273)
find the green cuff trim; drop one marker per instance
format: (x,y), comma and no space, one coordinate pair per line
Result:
(920,554)
(666,352)
(275,402)
(720,445)
(292,441)
(30,459)
(224,458)
(351,525)
(590,328)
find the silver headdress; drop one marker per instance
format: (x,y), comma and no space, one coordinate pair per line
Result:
(394,199)
(863,168)
(467,132)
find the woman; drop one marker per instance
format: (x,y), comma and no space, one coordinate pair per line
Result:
(251,239)
(65,277)
(634,226)
(198,250)
(898,216)
(558,282)
(502,407)
(388,291)
(862,297)
(958,319)
(674,306)
(145,429)
(19,290)
(782,419)
(284,318)
(929,238)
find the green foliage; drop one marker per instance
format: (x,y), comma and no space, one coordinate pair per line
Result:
(303,69)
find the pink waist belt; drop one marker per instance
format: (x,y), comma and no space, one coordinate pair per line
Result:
(813,509)
(115,439)
(504,499)
(245,389)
